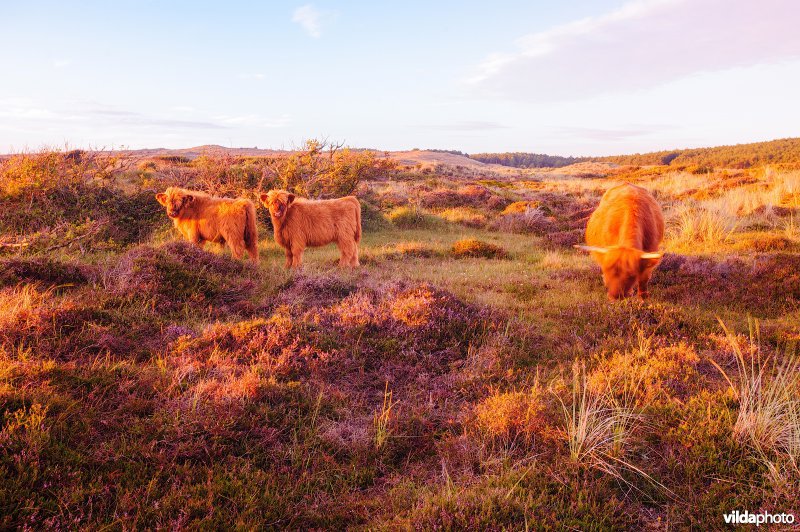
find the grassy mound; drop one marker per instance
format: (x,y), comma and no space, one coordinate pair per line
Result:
(180,272)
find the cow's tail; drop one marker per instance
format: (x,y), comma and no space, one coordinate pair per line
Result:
(358,220)
(251,231)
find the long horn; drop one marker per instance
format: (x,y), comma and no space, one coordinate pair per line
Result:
(596,249)
(651,255)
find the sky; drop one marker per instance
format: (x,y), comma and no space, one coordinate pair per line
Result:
(575,77)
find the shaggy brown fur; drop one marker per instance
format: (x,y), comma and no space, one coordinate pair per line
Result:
(300,223)
(623,235)
(202,218)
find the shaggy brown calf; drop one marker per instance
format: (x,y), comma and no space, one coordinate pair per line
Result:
(623,236)
(202,218)
(301,222)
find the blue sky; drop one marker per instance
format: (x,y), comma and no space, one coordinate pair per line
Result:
(569,78)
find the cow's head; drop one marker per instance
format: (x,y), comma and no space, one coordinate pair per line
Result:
(622,267)
(277,201)
(175,200)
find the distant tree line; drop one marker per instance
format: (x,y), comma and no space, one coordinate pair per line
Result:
(452,152)
(527,160)
(782,151)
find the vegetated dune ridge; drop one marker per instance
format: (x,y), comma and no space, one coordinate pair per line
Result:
(411,158)
(470,375)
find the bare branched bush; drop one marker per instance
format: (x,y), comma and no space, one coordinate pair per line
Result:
(323,169)
(224,174)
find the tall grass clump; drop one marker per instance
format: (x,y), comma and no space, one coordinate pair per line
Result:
(600,430)
(701,229)
(597,430)
(768,393)
(382,420)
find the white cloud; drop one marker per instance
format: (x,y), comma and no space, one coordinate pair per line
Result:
(310,19)
(61,63)
(474,125)
(643,44)
(253,120)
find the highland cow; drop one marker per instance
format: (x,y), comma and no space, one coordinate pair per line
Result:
(300,223)
(202,218)
(623,235)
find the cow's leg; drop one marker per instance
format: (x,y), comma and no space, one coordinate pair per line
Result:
(288,258)
(195,238)
(252,250)
(237,249)
(644,278)
(297,257)
(354,256)
(344,253)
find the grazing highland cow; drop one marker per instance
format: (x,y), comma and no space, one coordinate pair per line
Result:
(202,218)
(300,223)
(623,236)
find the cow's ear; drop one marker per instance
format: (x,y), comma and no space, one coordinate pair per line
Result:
(263,197)
(289,199)
(162,198)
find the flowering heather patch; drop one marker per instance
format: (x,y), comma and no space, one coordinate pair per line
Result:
(529,220)
(179,273)
(314,290)
(765,284)
(467,196)
(72,329)
(43,270)
(441,199)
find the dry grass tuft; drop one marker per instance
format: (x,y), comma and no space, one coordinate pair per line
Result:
(703,229)
(474,248)
(511,416)
(643,375)
(597,430)
(408,217)
(768,393)
(466,216)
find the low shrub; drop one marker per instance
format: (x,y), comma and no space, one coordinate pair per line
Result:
(180,272)
(509,416)
(44,270)
(408,217)
(529,221)
(371,218)
(473,248)
(466,216)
